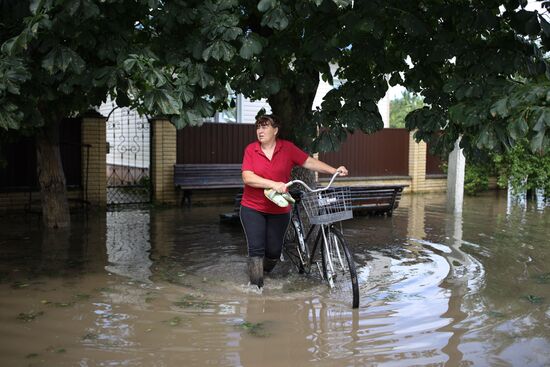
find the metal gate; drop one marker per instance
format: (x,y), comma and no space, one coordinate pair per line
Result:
(128,156)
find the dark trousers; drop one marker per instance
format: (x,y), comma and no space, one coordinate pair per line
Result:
(264,232)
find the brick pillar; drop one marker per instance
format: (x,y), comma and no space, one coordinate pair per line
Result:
(163,158)
(417,164)
(94,167)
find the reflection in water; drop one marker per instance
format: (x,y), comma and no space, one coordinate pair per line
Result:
(168,288)
(128,244)
(541,200)
(515,200)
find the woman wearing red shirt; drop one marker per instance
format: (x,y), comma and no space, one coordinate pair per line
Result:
(267,164)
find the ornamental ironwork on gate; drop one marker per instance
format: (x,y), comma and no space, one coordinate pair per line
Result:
(128,156)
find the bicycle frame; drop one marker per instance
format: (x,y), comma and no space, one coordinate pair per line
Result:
(323,211)
(303,240)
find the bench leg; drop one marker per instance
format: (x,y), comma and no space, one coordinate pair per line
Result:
(186,199)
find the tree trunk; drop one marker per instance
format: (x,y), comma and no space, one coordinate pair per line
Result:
(293,108)
(51,178)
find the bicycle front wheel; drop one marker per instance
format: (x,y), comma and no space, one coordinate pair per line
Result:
(339,267)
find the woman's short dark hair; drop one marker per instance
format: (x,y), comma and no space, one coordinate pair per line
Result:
(264,120)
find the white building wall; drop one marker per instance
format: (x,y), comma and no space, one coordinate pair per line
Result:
(127,135)
(250,109)
(322,90)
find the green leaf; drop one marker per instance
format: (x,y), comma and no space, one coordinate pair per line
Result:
(72,6)
(251,46)
(536,143)
(186,94)
(526,22)
(10,117)
(543,120)
(17,43)
(60,58)
(231,33)
(500,108)
(12,74)
(187,118)
(162,101)
(36,6)
(89,9)
(219,50)
(201,77)
(129,64)
(122,99)
(272,85)
(327,141)
(265,5)
(412,25)
(203,108)
(155,77)
(276,19)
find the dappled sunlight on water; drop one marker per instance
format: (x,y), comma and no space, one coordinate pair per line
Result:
(168,287)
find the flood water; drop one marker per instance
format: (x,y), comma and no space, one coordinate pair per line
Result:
(167,287)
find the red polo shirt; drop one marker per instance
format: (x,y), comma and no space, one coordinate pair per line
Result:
(285,156)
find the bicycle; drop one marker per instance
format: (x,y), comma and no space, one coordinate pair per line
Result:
(324,207)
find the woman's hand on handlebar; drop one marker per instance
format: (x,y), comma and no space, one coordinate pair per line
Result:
(279,187)
(342,171)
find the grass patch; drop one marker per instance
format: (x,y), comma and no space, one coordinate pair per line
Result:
(254,328)
(56,350)
(19,285)
(174,321)
(543,278)
(29,316)
(536,300)
(191,301)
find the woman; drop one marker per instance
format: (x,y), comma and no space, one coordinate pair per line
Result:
(267,164)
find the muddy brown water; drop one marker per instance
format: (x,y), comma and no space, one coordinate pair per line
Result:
(167,287)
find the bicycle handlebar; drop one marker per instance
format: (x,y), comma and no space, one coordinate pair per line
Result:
(290,183)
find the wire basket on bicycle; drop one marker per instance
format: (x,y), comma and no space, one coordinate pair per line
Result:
(328,206)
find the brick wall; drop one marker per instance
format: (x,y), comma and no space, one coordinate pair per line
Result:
(94,181)
(163,158)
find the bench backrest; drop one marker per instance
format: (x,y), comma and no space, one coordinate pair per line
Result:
(199,176)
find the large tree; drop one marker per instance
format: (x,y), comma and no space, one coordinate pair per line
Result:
(462,56)
(176,58)
(61,57)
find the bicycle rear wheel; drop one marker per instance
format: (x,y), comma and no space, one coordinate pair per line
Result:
(339,267)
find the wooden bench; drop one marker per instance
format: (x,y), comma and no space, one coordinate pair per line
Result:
(188,177)
(381,199)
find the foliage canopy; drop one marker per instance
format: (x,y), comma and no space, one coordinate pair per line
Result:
(479,65)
